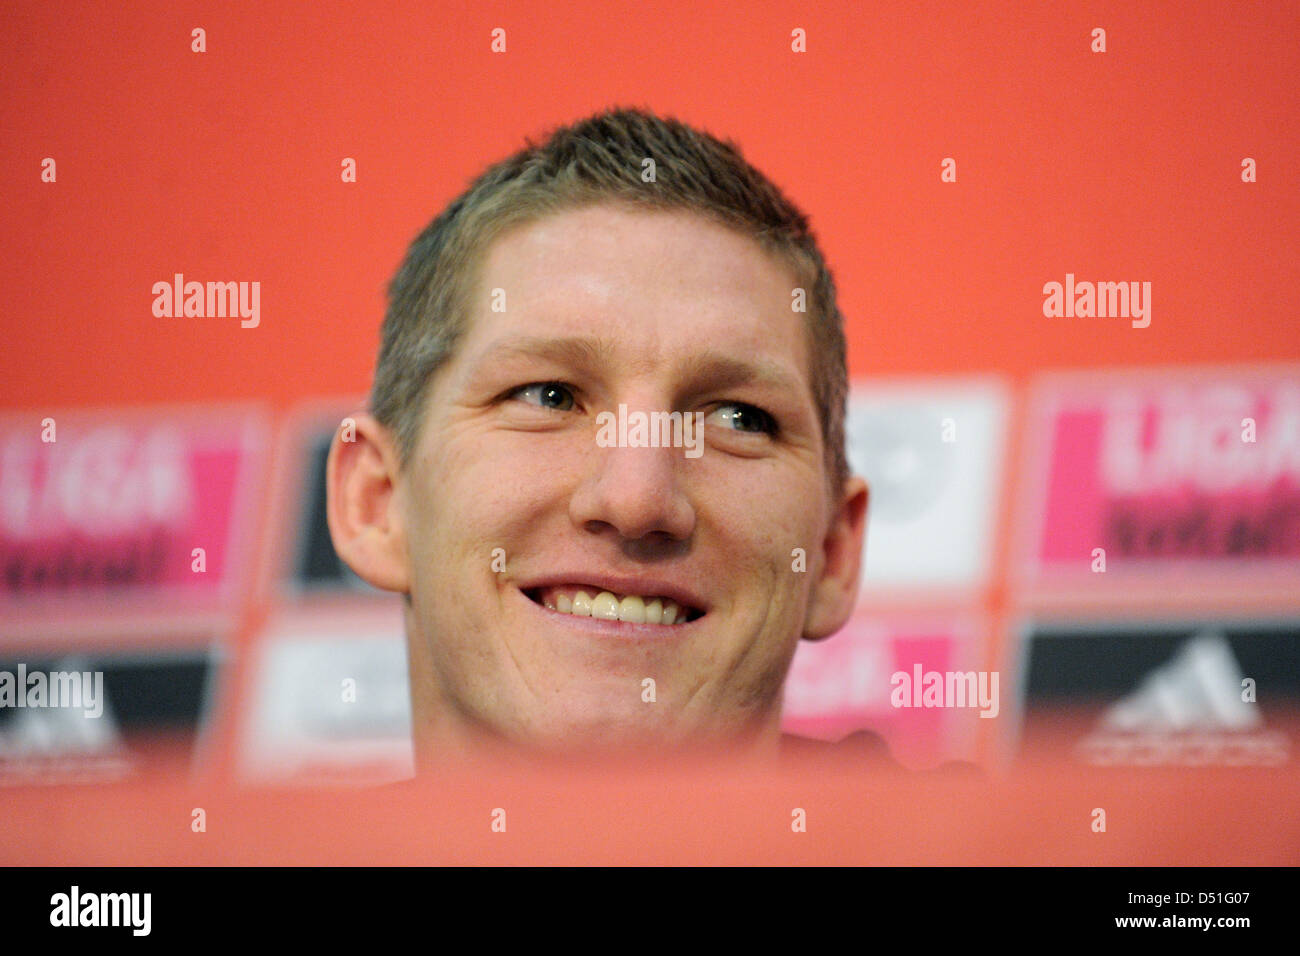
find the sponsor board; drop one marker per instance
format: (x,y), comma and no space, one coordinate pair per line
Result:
(135,712)
(329,699)
(1173,694)
(1164,485)
(932,453)
(851,681)
(131,512)
(317,567)
(308,567)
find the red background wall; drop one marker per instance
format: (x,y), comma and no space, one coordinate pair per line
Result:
(225,165)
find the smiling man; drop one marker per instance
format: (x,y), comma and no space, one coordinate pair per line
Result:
(568,592)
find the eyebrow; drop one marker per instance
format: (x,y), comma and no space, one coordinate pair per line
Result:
(714,368)
(564,351)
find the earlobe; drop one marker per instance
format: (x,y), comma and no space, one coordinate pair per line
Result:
(365,522)
(836,592)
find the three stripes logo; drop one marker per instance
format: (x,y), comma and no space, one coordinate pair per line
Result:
(1194,710)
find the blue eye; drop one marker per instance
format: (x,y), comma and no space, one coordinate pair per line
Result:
(546,394)
(746,418)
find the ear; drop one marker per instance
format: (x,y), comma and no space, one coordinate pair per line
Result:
(365,521)
(836,590)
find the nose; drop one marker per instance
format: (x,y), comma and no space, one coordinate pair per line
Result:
(636,491)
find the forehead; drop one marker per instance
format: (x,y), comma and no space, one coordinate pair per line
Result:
(665,280)
(615,234)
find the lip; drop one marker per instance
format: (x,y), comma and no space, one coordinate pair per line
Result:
(616,630)
(617,584)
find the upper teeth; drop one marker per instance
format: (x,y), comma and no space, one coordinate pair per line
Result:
(632,608)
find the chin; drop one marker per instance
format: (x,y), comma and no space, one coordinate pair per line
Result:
(603,731)
(632,735)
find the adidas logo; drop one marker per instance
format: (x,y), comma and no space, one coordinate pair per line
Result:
(1200,689)
(46,745)
(1189,711)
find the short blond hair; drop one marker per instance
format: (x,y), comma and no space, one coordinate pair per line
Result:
(599,159)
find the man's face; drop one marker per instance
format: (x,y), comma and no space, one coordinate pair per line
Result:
(511,504)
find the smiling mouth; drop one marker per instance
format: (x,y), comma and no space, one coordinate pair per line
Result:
(587,601)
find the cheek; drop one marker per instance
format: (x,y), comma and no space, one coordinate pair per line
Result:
(760,516)
(474,494)
(447,539)
(754,537)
